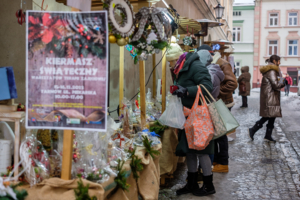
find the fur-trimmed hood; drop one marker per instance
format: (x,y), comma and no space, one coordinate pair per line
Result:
(269,67)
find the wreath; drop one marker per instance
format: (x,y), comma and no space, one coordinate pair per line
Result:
(119,32)
(187,40)
(151,35)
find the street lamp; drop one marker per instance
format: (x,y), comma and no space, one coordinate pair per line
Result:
(219,10)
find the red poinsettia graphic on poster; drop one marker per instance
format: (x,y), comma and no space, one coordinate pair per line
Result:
(66,35)
(45,29)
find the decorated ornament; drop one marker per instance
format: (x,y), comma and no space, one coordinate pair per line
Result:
(121,42)
(112,38)
(187,40)
(126,28)
(152,33)
(152,14)
(21,16)
(151,37)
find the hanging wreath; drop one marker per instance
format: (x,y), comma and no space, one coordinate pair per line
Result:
(187,40)
(152,33)
(119,31)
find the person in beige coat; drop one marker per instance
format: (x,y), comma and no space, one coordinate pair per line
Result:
(244,79)
(270,107)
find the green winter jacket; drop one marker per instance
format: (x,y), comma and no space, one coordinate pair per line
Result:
(193,73)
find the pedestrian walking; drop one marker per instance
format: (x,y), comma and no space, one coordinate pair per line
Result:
(288,83)
(227,86)
(270,108)
(244,85)
(192,74)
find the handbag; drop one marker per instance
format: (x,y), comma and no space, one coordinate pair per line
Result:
(199,126)
(242,87)
(223,120)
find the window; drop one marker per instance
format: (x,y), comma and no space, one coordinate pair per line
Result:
(273,46)
(293,19)
(237,13)
(273,19)
(293,47)
(237,68)
(236,34)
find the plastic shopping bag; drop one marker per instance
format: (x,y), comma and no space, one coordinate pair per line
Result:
(173,115)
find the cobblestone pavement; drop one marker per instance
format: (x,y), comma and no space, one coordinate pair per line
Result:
(258,169)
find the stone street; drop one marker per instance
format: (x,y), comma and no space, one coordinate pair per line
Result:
(258,169)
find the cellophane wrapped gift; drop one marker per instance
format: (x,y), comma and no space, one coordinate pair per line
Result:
(34,159)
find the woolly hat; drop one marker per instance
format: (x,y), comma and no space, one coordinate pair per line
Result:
(175,50)
(206,47)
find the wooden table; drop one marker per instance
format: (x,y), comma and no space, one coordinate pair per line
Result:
(14,117)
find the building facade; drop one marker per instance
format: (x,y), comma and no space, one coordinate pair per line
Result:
(276,31)
(243,38)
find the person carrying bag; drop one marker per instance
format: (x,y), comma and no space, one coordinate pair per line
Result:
(199,126)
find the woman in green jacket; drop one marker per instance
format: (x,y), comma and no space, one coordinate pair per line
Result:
(192,74)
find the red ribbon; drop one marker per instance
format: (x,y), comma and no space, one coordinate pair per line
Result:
(137,104)
(121,139)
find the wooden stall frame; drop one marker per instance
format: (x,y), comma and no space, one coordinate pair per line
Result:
(121,80)
(154,75)
(142,93)
(67,149)
(163,84)
(67,155)
(14,117)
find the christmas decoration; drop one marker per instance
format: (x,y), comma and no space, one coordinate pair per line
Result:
(187,40)
(21,16)
(35,159)
(133,53)
(126,27)
(158,128)
(148,145)
(11,192)
(122,176)
(121,42)
(112,38)
(151,35)
(136,163)
(21,107)
(82,192)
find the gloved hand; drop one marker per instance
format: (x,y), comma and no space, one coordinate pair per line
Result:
(180,92)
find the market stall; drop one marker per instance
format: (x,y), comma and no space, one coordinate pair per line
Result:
(119,161)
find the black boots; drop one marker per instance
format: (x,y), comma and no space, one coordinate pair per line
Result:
(207,188)
(268,136)
(253,130)
(191,185)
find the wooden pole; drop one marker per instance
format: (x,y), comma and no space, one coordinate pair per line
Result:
(17,146)
(67,149)
(154,75)
(67,155)
(121,80)
(163,84)
(142,93)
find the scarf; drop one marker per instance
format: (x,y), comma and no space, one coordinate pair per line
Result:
(179,61)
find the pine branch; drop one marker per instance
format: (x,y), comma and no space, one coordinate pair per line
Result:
(148,145)
(121,177)
(82,192)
